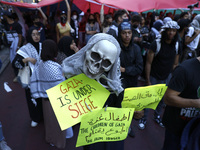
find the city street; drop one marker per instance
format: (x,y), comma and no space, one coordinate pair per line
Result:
(20,135)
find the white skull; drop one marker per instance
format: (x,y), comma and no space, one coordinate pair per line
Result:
(99,59)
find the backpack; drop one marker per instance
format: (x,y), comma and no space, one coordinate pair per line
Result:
(158,45)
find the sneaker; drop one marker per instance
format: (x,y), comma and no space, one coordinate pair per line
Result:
(158,120)
(142,123)
(34,124)
(131,132)
(4,146)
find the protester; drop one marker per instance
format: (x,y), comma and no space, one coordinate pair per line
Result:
(30,54)
(40,26)
(91,28)
(182,101)
(75,25)
(135,21)
(15,29)
(192,39)
(130,59)
(67,47)
(162,58)
(46,75)
(107,23)
(119,15)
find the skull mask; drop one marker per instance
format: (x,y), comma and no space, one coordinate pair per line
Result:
(99,59)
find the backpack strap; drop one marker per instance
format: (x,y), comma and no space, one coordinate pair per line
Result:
(158,46)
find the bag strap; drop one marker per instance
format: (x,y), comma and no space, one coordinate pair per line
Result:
(40,49)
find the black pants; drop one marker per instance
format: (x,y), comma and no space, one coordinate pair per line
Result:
(36,112)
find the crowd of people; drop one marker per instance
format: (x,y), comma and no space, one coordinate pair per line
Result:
(155,48)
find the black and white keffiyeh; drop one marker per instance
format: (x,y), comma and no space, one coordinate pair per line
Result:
(29,50)
(46,75)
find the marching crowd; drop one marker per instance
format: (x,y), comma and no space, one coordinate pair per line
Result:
(155,48)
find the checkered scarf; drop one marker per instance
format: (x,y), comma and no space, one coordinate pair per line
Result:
(46,75)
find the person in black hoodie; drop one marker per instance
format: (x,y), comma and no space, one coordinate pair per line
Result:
(131,61)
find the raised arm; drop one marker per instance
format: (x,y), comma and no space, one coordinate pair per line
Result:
(68,11)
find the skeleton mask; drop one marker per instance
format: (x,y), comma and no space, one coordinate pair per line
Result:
(99,59)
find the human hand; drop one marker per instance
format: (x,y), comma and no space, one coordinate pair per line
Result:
(122,69)
(138,114)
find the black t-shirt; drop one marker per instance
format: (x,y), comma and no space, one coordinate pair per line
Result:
(162,64)
(14,27)
(185,79)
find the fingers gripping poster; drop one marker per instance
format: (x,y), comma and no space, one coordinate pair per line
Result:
(75,97)
(103,125)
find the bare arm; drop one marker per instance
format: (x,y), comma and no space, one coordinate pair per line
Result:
(149,61)
(172,98)
(190,39)
(43,16)
(176,61)
(57,34)
(68,11)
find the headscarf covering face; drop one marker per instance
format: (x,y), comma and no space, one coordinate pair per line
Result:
(73,65)
(64,45)
(30,39)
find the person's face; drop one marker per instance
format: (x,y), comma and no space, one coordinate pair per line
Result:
(142,21)
(186,16)
(110,20)
(35,36)
(36,20)
(72,45)
(171,33)
(126,36)
(91,17)
(125,16)
(135,24)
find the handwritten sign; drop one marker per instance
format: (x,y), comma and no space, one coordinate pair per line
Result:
(74,98)
(143,97)
(100,125)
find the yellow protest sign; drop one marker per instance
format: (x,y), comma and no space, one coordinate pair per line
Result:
(74,98)
(103,126)
(143,97)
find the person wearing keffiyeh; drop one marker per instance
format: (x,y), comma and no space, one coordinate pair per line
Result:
(30,54)
(46,75)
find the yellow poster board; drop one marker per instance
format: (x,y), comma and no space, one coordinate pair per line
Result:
(104,126)
(143,97)
(75,97)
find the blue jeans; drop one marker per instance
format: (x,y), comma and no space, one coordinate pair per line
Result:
(1,133)
(172,142)
(160,105)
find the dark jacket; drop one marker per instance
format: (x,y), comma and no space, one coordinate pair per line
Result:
(113,29)
(131,60)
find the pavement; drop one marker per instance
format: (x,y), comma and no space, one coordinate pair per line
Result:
(4,56)
(19,134)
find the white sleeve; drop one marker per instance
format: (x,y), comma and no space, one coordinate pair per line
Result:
(190,32)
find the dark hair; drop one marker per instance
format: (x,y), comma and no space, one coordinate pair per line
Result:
(165,36)
(49,50)
(35,17)
(105,22)
(183,14)
(183,23)
(136,18)
(120,29)
(118,14)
